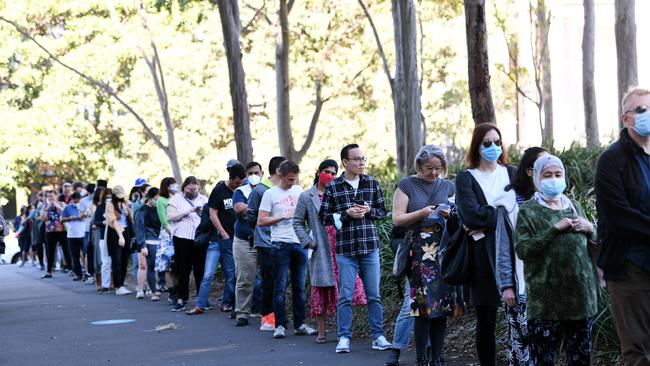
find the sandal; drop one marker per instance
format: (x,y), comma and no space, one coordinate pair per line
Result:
(226,309)
(322,339)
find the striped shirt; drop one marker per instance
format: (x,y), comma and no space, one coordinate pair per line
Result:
(186,226)
(356,236)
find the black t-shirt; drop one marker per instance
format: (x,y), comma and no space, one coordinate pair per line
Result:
(221,200)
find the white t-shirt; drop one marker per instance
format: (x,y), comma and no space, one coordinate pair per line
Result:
(278,201)
(84,206)
(354,184)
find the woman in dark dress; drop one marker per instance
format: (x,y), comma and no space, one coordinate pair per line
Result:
(419,203)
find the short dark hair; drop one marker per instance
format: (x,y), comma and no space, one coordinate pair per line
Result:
(253,164)
(102,183)
(75,196)
(473,157)
(346,149)
(287,167)
(153,192)
(76,185)
(274,163)
(164,186)
(189,180)
(90,188)
(237,171)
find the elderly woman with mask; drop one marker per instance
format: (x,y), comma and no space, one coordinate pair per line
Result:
(551,238)
(418,203)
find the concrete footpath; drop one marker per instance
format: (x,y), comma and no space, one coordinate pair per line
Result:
(49,322)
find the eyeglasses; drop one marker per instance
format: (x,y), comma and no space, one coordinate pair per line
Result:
(359,159)
(488,143)
(638,110)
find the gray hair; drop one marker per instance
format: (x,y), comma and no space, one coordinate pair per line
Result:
(542,163)
(427,152)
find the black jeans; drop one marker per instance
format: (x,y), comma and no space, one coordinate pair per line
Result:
(265,260)
(188,258)
(486,319)
(90,254)
(119,257)
(75,249)
(52,239)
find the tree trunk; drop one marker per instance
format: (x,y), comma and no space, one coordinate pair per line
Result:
(231,26)
(625,29)
(478,66)
(544,53)
(285,134)
(407,84)
(588,89)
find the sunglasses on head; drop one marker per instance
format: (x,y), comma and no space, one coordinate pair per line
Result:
(488,143)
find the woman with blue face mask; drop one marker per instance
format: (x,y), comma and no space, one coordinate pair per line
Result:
(488,211)
(551,238)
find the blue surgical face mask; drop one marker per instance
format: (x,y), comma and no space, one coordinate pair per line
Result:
(491,153)
(642,124)
(552,187)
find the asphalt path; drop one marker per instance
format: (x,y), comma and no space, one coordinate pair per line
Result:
(49,322)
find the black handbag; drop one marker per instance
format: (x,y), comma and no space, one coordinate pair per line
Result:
(401,262)
(455,255)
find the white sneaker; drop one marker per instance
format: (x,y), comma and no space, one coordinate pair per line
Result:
(279,332)
(122,291)
(147,293)
(139,295)
(381,344)
(20,263)
(266,327)
(343,346)
(305,330)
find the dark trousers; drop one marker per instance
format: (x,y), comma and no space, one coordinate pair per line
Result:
(630,299)
(40,252)
(289,258)
(486,320)
(546,335)
(90,254)
(75,245)
(265,260)
(188,258)
(52,239)
(429,331)
(119,257)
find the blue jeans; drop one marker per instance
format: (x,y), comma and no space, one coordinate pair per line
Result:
(368,268)
(135,264)
(289,257)
(218,252)
(404,322)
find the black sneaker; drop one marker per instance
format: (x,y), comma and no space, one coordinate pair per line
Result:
(76,278)
(241,322)
(178,307)
(47,275)
(103,290)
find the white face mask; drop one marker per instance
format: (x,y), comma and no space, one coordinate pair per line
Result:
(254,179)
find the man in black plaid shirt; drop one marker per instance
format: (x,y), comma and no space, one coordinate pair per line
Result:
(352,202)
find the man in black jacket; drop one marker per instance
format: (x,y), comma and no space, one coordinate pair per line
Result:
(623,203)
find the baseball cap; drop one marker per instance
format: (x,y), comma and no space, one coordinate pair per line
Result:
(140,182)
(118,191)
(232,162)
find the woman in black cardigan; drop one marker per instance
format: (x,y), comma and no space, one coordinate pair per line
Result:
(488,212)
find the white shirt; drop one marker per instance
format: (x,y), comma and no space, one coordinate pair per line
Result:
(185,228)
(353,183)
(84,206)
(279,201)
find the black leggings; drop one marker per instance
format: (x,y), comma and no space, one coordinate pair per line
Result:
(75,245)
(52,239)
(429,331)
(486,319)
(90,254)
(119,257)
(187,259)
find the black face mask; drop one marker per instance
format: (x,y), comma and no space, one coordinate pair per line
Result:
(191,196)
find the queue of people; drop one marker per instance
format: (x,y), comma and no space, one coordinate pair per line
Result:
(530,248)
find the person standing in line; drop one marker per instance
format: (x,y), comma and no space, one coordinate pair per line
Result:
(220,246)
(66,193)
(38,230)
(623,204)
(24,234)
(166,279)
(276,210)
(489,212)
(323,271)
(147,224)
(551,238)
(420,203)
(352,202)
(184,215)
(522,183)
(118,219)
(54,232)
(73,217)
(97,226)
(86,207)
(263,244)
(247,290)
